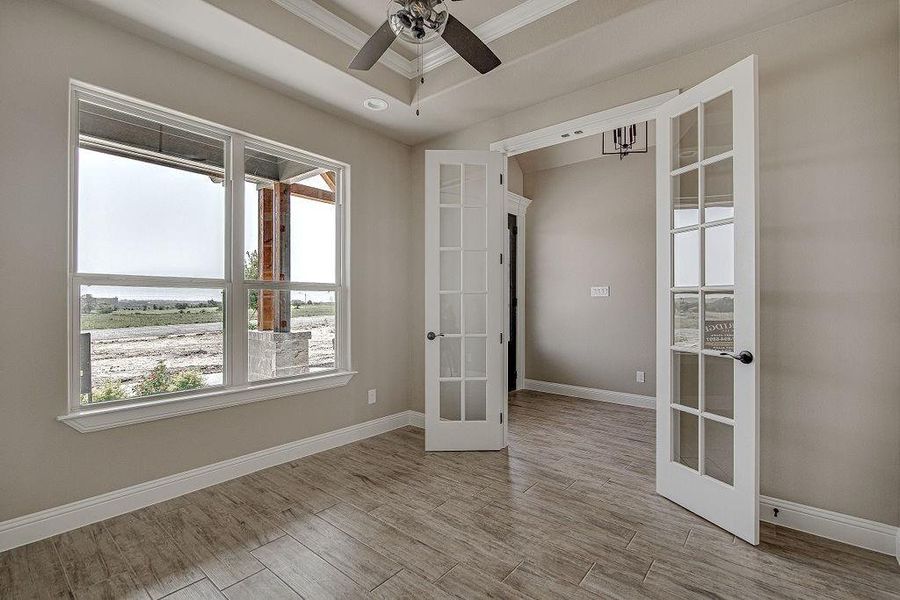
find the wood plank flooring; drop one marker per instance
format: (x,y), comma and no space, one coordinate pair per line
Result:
(567,511)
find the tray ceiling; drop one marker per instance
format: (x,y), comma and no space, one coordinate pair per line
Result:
(549,48)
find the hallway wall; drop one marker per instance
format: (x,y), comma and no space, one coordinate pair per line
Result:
(592,223)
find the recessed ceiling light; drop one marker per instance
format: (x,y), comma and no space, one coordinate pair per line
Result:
(376,104)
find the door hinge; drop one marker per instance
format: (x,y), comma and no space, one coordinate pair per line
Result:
(515,302)
(515,230)
(501,337)
(501,418)
(501,178)
(501,258)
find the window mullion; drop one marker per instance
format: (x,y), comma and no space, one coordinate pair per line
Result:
(237,317)
(342,272)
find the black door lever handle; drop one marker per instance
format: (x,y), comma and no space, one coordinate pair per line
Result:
(743,356)
(431,335)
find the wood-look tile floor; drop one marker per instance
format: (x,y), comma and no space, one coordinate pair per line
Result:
(568,511)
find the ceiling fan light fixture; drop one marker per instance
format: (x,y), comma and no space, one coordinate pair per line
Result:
(376,104)
(417,21)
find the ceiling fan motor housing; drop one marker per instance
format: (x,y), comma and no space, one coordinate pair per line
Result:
(417,21)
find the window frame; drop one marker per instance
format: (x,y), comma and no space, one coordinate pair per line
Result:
(235,388)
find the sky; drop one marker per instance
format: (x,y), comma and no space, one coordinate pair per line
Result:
(137,218)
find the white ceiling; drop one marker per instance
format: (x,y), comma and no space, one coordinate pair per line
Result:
(567,45)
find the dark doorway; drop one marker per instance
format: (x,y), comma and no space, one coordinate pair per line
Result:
(513,228)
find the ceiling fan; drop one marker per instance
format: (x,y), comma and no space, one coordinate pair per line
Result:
(419,22)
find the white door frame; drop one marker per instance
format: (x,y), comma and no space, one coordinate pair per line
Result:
(518,206)
(588,125)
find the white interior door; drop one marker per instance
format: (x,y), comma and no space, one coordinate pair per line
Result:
(464,378)
(707,426)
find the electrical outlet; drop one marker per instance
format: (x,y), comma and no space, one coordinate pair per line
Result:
(373,398)
(639,376)
(600,292)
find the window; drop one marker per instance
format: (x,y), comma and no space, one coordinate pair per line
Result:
(207,268)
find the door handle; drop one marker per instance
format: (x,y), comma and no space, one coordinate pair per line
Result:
(431,335)
(744,356)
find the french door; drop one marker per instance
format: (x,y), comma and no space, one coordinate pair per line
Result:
(464,379)
(707,422)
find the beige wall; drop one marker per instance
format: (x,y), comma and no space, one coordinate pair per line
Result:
(592,223)
(830,320)
(44,463)
(516,182)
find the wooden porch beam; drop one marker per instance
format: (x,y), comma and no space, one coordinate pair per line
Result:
(312,193)
(328,176)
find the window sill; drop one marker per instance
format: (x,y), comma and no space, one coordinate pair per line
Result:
(96,419)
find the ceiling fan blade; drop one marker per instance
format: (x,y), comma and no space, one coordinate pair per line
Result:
(473,50)
(373,49)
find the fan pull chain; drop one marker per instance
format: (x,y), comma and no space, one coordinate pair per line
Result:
(420,51)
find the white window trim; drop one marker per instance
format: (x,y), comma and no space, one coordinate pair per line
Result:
(236,389)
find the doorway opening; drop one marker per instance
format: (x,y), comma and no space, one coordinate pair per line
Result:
(591,271)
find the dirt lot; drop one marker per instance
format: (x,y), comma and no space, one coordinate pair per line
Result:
(127,354)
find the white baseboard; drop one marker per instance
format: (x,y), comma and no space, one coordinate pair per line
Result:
(576,391)
(417,419)
(37,526)
(46,523)
(831,525)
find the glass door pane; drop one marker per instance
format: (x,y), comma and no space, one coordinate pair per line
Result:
(718,386)
(685,139)
(717,126)
(685,199)
(718,441)
(686,439)
(718,191)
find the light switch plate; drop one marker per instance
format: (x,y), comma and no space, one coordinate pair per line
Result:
(600,292)
(639,376)
(373,396)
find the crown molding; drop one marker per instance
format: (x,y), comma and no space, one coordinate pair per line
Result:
(516,204)
(492,29)
(515,18)
(334,25)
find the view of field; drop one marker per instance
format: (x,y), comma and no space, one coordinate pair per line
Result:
(128,342)
(719,326)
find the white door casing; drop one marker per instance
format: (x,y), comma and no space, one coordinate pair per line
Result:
(707,446)
(465,384)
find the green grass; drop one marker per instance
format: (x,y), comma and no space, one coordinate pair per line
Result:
(150,318)
(189,316)
(313,310)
